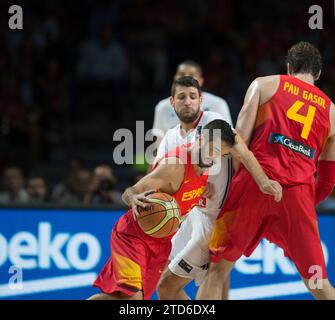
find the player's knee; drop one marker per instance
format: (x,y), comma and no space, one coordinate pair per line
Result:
(214,268)
(219,269)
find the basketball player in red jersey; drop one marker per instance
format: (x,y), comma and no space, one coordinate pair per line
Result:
(289,125)
(137,260)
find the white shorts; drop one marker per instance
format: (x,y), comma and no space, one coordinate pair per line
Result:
(189,257)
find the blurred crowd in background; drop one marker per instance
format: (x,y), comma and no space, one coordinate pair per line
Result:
(79,70)
(79,187)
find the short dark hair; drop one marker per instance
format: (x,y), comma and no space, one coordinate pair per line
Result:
(226,132)
(193,64)
(304,57)
(186,81)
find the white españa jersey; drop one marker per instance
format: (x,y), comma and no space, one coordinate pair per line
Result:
(219,176)
(165,117)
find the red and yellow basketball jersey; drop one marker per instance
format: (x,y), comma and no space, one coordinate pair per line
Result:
(291,130)
(193,185)
(137,259)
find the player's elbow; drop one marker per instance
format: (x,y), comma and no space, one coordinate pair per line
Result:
(125,197)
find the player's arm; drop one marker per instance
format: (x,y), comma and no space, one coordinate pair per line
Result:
(260,91)
(167,177)
(241,152)
(247,117)
(326,165)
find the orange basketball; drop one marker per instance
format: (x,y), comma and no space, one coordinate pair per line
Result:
(162,218)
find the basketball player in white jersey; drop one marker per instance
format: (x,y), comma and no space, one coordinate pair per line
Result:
(189,257)
(165,117)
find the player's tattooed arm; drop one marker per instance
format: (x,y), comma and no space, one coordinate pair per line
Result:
(167,177)
(241,152)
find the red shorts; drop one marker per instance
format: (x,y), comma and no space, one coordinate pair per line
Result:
(137,260)
(248,215)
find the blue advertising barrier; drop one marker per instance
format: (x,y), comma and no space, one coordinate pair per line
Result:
(57,254)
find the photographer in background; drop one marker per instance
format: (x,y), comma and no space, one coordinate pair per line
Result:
(37,190)
(102,189)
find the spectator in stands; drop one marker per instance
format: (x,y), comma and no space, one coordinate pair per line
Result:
(13,183)
(67,187)
(17,126)
(102,189)
(103,59)
(82,184)
(102,68)
(79,190)
(52,98)
(37,190)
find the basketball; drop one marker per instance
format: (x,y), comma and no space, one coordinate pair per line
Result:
(161,219)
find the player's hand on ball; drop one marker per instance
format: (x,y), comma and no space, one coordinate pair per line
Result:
(210,191)
(140,200)
(273,188)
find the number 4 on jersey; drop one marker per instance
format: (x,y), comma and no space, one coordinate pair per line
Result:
(307,121)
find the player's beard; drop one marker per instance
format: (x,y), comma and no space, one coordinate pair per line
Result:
(188,117)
